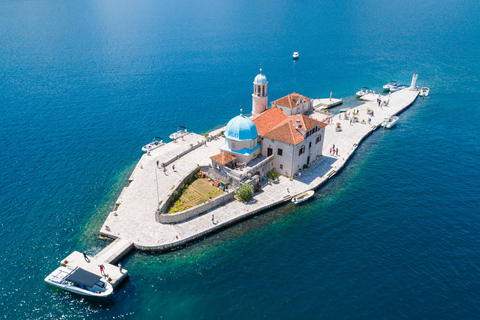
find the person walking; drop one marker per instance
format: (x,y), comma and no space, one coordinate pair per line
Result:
(102,269)
(213,219)
(120,267)
(85,256)
(337,151)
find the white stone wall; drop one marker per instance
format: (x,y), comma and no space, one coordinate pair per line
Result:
(290,162)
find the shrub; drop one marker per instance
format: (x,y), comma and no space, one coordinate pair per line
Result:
(199,169)
(245,192)
(273,175)
(305,166)
(175,195)
(222,132)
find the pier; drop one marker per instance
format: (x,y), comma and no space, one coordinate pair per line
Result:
(108,257)
(134,217)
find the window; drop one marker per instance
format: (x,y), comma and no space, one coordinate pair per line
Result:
(319,138)
(309,145)
(233,145)
(281,166)
(301,150)
(280,152)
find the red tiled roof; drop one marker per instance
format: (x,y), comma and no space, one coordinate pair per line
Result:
(267,120)
(289,101)
(223,158)
(286,130)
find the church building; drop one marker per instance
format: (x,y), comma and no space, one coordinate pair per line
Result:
(282,131)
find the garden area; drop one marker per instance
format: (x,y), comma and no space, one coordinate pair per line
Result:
(193,194)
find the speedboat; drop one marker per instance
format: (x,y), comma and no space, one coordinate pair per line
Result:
(424,92)
(390,84)
(363,92)
(80,281)
(153,145)
(303,197)
(390,122)
(397,88)
(181,132)
(295,55)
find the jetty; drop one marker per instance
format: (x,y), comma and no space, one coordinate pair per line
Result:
(135,217)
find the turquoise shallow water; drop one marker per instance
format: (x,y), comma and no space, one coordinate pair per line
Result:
(84,84)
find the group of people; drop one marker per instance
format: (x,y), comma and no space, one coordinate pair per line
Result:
(164,167)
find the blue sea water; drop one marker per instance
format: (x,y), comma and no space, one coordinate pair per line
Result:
(84,84)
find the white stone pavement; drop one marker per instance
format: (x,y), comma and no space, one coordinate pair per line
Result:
(135,217)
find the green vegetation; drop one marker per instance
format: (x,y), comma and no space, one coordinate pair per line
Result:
(245,192)
(194,194)
(273,175)
(305,166)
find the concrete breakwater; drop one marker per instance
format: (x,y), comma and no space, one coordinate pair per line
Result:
(134,218)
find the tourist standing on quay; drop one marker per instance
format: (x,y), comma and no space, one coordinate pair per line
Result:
(85,256)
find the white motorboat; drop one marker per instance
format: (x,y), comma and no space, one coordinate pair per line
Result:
(153,145)
(424,92)
(303,197)
(80,281)
(181,132)
(295,55)
(390,122)
(363,92)
(397,88)
(390,85)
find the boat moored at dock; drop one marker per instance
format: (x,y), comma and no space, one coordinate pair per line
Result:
(180,133)
(390,122)
(424,92)
(362,92)
(389,85)
(80,281)
(153,145)
(303,197)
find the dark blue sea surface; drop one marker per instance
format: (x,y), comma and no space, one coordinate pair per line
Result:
(85,84)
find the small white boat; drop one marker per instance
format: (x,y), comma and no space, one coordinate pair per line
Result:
(424,92)
(397,88)
(303,197)
(362,92)
(80,281)
(390,85)
(153,145)
(181,132)
(390,122)
(295,55)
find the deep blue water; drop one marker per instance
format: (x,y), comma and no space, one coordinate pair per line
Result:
(84,84)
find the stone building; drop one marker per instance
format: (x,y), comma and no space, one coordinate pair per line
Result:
(280,138)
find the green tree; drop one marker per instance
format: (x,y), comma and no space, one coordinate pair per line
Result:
(245,192)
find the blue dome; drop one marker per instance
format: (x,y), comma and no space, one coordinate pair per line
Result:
(241,128)
(260,79)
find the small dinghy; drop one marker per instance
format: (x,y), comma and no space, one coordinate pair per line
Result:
(303,197)
(153,145)
(80,281)
(295,55)
(424,92)
(180,133)
(390,122)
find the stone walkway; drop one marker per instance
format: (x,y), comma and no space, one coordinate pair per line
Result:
(134,220)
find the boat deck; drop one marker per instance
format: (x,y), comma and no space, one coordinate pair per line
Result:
(76,259)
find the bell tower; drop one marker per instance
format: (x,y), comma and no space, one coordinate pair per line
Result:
(260,95)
